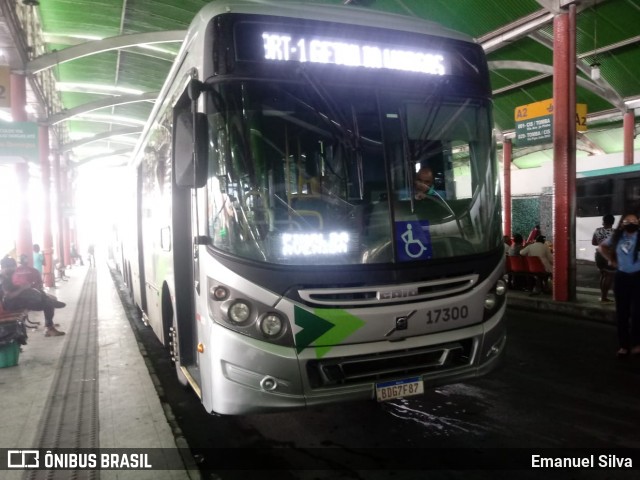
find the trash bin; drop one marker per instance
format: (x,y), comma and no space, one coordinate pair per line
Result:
(9,354)
(13,333)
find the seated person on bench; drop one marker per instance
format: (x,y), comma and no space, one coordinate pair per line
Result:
(26,275)
(539,249)
(21,297)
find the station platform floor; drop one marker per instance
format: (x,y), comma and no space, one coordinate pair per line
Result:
(90,388)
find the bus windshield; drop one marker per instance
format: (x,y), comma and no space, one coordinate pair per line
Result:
(299,175)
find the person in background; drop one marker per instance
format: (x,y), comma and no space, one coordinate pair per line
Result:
(620,250)
(75,256)
(506,240)
(26,275)
(539,249)
(91,255)
(606,271)
(38,258)
(535,233)
(516,246)
(21,297)
(516,281)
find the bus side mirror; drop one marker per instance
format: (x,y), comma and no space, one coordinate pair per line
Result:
(190,149)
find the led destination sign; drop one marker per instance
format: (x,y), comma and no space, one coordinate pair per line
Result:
(306,244)
(351,53)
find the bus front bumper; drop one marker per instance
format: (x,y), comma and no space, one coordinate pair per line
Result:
(252,376)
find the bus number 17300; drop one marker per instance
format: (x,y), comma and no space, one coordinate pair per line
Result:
(446,314)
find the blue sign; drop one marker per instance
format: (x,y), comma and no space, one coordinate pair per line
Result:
(413,241)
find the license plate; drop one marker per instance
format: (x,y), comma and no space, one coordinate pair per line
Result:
(399,389)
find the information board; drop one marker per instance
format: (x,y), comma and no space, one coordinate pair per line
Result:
(19,142)
(534,122)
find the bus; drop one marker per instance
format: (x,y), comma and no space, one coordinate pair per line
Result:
(614,190)
(278,247)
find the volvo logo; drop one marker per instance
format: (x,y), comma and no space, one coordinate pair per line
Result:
(402,323)
(391,294)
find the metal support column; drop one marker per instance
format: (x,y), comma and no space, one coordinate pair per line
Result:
(24,240)
(47,242)
(66,202)
(507,151)
(629,131)
(564,155)
(57,185)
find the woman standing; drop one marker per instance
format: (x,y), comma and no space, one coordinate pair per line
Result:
(606,271)
(621,251)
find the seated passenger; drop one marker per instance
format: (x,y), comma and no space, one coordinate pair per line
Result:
(21,297)
(541,250)
(26,275)
(517,245)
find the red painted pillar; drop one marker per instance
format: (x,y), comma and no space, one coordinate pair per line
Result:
(507,151)
(24,242)
(64,188)
(564,154)
(47,241)
(57,182)
(629,131)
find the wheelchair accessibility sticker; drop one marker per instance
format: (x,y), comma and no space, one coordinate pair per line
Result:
(413,241)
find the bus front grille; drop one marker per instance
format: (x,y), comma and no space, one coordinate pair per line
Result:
(388,365)
(343,296)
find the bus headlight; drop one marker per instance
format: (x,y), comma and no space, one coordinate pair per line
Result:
(501,287)
(250,317)
(271,325)
(495,299)
(239,312)
(490,301)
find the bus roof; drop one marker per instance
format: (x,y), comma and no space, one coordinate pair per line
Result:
(324,12)
(609,171)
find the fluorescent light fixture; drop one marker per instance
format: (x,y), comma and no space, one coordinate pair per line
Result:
(80,135)
(634,103)
(96,88)
(87,150)
(82,37)
(124,139)
(157,49)
(69,35)
(6,116)
(119,119)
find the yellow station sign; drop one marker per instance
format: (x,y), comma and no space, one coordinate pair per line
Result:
(545,107)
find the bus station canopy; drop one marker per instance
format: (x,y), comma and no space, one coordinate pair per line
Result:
(95,67)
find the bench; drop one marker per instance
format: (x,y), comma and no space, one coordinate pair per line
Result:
(13,333)
(530,268)
(19,316)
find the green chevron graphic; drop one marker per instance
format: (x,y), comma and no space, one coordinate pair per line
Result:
(313,327)
(326,326)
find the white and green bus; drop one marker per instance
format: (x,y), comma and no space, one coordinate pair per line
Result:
(279,247)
